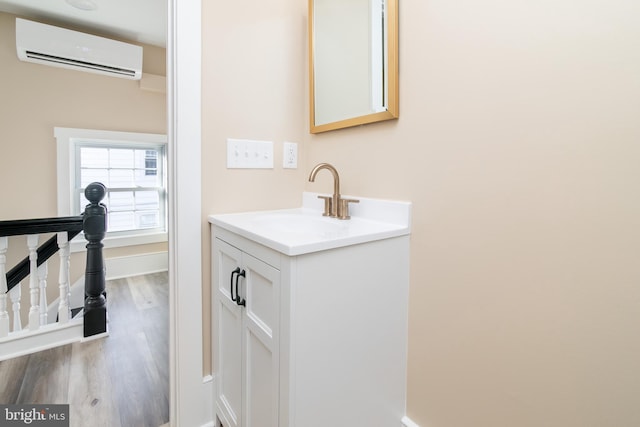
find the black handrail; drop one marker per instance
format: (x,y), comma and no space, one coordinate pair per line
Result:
(19,227)
(71,224)
(93,223)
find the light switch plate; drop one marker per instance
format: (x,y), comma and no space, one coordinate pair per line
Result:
(249,154)
(290,155)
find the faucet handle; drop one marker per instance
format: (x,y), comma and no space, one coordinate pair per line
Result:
(328,202)
(344,207)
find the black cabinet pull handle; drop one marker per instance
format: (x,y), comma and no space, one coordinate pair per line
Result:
(233,297)
(239,299)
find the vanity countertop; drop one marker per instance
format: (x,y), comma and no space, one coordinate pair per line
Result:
(303,230)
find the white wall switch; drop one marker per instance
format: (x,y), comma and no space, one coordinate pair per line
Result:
(249,154)
(290,155)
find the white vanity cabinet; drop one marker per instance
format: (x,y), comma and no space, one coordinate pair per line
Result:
(247,297)
(321,339)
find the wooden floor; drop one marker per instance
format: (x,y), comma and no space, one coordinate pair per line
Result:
(118,381)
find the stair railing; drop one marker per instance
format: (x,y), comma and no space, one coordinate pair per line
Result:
(93,223)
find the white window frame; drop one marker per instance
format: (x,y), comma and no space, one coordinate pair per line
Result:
(67,140)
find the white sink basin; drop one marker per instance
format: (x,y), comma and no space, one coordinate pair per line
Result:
(304,230)
(299,221)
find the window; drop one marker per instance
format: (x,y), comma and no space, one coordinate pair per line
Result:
(133,168)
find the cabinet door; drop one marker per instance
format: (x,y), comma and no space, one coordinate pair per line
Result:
(227,336)
(261,343)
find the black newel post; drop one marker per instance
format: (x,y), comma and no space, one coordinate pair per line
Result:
(94,226)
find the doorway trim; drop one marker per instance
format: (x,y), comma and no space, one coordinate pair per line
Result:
(190,405)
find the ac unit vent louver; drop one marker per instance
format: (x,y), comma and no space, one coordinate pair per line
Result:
(59,47)
(81,64)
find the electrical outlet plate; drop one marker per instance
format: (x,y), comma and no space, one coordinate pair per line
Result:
(249,154)
(290,155)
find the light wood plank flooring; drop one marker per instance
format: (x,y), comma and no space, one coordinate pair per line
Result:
(118,381)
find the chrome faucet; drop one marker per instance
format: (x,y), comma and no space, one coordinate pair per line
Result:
(334,206)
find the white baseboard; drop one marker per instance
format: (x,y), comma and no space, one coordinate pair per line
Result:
(208,393)
(136,265)
(406,422)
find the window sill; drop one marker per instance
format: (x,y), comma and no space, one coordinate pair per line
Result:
(79,243)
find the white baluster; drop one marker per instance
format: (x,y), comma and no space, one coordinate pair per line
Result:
(43,270)
(64,310)
(34,310)
(4,315)
(15,294)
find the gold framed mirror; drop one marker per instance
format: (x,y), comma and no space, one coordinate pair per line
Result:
(353,63)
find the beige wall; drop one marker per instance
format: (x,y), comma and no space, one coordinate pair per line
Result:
(34,99)
(518,144)
(253,86)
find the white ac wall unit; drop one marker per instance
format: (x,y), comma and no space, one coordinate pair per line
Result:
(59,47)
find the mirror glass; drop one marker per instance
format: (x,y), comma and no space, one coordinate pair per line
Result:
(353,62)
